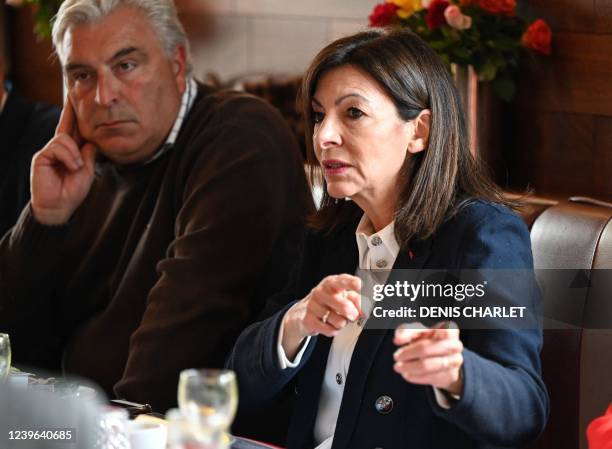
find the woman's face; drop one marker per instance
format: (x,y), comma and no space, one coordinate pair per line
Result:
(359,139)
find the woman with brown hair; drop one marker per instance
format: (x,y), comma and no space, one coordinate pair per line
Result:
(386,130)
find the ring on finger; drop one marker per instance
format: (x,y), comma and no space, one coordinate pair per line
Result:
(444,362)
(325,316)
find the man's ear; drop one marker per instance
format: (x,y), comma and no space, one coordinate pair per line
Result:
(420,137)
(179,67)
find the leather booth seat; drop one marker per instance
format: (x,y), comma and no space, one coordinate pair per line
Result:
(574,234)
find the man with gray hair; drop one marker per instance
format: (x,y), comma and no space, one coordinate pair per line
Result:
(163,212)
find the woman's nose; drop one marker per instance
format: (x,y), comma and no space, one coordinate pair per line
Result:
(327,134)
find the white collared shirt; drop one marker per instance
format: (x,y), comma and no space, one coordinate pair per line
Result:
(187,101)
(377,251)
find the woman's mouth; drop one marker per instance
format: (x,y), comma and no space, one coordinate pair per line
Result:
(334,166)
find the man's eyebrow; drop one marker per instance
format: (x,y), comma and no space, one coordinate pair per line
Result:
(72,66)
(123,52)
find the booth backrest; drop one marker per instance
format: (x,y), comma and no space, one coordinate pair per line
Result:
(576,362)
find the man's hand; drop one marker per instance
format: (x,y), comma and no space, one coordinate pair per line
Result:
(61,173)
(430,356)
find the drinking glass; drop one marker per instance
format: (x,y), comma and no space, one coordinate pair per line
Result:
(208,399)
(5,356)
(112,429)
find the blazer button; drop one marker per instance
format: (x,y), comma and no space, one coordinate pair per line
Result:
(383,405)
(295,390)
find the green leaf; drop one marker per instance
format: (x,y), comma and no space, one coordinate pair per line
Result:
(504,87)
(488,71)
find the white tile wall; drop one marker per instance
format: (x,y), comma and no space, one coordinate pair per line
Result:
(222,6)
(340,28)
(226,54)
(354,9)
(285,45)
(271,36)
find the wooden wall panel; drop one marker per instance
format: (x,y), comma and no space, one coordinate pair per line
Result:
(560,131)
(36,73)
(561,15)
(602,155)
(564,162)
(575,79)
(603,16)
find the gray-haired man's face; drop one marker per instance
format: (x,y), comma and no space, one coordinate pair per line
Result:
(124,88)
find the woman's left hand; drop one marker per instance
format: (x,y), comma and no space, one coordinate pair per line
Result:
(430,356)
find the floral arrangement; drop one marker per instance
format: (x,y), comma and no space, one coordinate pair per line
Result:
(44,10)
(486,34)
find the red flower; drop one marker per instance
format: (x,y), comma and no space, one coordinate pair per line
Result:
(537,37)
(435,14)
(503,7)
(383,14)
(599,432)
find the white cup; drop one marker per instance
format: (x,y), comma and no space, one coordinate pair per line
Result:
(146,435)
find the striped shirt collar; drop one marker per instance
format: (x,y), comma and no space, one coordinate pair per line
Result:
(186,104)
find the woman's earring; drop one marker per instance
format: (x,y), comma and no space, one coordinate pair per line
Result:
(336,201)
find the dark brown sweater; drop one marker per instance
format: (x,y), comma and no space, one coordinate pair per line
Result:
(163,264)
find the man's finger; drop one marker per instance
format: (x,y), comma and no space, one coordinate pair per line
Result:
(58,154)
(67,120)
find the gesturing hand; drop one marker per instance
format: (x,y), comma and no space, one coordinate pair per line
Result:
(328,308)
(430,356)
(61,173)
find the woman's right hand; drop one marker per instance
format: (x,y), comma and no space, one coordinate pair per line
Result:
(326,310)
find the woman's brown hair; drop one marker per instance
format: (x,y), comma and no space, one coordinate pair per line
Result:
(437,180)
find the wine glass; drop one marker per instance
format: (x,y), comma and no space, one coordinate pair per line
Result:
(208,398)
(5,356)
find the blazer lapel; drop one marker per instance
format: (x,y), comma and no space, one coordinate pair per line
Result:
(340,256)
(308,390)
(366,350)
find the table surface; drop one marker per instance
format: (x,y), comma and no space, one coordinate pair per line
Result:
(243,443)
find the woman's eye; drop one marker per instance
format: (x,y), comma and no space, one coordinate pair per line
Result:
(354,113)
(317,117)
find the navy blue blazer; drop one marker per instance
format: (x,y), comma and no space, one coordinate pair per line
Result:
(504,401)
